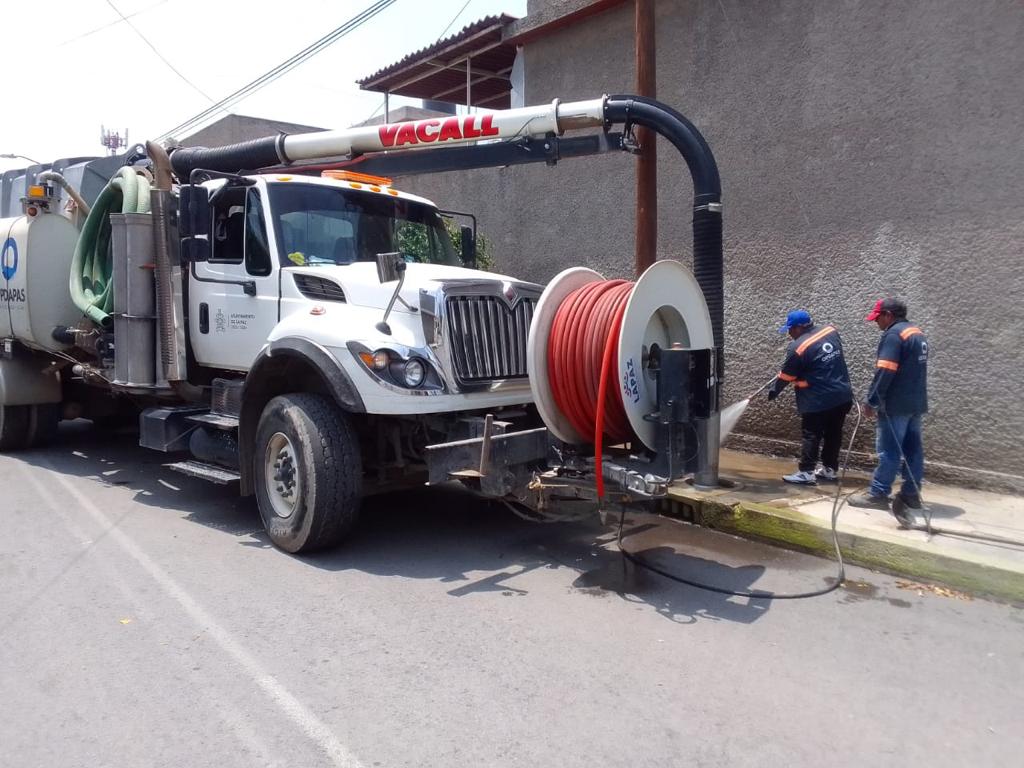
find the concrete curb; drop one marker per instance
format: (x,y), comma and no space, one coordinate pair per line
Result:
(889,553)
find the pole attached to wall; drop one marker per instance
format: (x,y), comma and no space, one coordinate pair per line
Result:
(647,162)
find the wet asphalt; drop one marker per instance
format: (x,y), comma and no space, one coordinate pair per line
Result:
(145,620)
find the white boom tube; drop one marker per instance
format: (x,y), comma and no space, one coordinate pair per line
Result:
(445,131)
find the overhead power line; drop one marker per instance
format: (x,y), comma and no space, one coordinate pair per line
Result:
(286,66)
(100,28)
(160,56)
(464,5)
(439,39)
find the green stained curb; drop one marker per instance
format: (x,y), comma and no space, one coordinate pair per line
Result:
(795,530)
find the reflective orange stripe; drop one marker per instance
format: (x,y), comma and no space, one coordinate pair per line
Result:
(802,384)
(889,365)
(816,337)
(906,333)
(786,376)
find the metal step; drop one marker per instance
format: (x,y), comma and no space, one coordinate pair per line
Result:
(211,472)
(166,428)
(215,420)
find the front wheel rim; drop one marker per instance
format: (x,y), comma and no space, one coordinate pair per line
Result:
(281,473)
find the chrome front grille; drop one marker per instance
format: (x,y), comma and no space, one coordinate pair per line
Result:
(488,337)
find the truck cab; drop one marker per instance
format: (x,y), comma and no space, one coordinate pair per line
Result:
(335,309)
(296,257)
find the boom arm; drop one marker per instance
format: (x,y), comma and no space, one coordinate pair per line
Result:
(433,132)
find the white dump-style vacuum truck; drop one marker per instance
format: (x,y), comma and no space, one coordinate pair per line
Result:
(279,314)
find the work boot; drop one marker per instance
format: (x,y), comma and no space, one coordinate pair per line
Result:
(800,478)
(912,500)
(868,500)
(900,510)
(826,474)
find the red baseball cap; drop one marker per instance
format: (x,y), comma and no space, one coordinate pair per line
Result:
(895,306)
(875,311)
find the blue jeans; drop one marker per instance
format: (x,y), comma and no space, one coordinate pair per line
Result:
(895,433)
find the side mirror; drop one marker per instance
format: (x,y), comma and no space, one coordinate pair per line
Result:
(193,211)
(389,266)
(469,247)
(194,249)
(194,223)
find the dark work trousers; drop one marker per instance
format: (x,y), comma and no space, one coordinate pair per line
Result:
(824,426)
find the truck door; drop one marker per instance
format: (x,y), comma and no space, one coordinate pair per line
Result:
(233,299)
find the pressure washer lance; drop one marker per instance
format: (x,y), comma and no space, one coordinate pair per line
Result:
(763,387)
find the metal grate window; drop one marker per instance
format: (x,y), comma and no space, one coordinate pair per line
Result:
(488,337)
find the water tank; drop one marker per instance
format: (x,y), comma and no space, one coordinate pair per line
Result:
(35,264)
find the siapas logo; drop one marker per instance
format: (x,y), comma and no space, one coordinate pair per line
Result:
(8,268)
(426,131)
(9,259)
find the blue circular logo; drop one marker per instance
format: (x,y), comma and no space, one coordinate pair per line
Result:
(9,264)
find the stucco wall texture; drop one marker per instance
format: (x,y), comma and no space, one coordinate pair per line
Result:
(866,148)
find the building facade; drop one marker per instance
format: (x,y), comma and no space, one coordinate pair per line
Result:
(866,148)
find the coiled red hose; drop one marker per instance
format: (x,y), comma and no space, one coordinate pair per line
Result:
(582,367)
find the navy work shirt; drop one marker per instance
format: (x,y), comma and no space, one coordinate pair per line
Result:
(817,369)
(900,386)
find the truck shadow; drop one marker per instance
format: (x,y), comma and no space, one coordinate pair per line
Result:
(478,546)
(448,535)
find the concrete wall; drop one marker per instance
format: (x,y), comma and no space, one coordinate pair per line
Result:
(866,148)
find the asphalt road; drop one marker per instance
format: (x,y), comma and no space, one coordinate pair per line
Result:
(145,621)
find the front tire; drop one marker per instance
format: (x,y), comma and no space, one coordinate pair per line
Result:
(308,472)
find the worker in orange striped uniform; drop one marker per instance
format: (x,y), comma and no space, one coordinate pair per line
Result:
(899,396)
(815,366)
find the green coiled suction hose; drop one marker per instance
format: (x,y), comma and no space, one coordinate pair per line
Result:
(91,285)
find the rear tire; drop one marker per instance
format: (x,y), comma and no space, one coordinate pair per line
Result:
(308,472)
(14,426)
(42,424)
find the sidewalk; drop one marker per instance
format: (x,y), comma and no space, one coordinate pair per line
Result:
(761,506)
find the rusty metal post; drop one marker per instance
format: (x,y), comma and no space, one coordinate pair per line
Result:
(647,162)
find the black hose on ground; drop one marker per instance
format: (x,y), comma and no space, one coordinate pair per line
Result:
(837,505)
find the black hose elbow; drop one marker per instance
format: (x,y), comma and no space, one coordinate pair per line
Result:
(708,265)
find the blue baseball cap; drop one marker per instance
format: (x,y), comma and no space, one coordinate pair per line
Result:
(796,317)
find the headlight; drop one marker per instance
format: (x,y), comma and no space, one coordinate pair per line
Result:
(406,368)
(414,373)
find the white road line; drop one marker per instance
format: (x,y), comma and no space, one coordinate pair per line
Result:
(222,705)
(295,710)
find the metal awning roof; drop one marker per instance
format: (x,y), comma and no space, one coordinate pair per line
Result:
(439,72)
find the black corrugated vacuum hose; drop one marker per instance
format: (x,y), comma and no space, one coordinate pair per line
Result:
(707,196)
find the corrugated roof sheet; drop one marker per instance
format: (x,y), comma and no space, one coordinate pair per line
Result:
(438,72)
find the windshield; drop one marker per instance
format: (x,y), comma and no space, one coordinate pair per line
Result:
(325,225)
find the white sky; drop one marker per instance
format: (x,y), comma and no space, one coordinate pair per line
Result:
(62,84)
